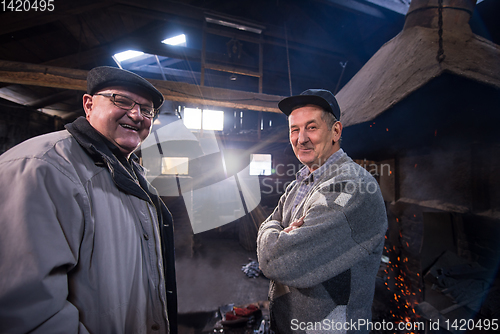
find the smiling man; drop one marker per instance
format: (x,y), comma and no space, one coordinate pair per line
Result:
(321,247)
(86,243)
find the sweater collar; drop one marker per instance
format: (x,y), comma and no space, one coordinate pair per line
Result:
(305,174)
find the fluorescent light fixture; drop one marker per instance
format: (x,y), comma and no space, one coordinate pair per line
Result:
(176,40)
(233,24)
(129,54)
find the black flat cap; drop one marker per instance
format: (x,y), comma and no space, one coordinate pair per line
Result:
(320,97)
(102,77)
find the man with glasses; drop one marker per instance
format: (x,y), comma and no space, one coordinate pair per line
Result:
(86,244)
(322,245)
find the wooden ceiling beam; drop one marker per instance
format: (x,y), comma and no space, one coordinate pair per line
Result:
(51,99)
(65,78)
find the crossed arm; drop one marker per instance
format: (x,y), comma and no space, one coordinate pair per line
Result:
(295,225)
(320,245)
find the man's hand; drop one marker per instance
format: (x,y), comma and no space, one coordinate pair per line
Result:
(294,225)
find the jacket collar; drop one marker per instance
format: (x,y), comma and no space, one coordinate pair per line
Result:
(104,153)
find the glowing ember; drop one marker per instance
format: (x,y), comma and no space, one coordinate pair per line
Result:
(402,305)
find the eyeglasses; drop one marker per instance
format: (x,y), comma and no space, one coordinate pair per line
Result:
(127,103)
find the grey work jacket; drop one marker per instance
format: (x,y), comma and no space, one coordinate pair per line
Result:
(77,254)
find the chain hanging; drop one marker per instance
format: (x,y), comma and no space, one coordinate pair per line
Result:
(440,55)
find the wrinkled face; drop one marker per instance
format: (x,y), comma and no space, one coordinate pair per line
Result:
(312,141)
(127,129)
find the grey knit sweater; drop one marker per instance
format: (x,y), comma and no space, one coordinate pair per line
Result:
(323,273)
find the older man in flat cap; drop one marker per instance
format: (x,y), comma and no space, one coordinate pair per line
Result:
(322,245)
(86,244)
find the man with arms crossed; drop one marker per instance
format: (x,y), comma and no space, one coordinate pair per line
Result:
(321,247)
(82,232)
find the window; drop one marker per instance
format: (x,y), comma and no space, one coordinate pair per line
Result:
(260,164)
(176,40)
(138,60)
(174,166)
(213,120)
(208,119)
(126,55)
(192,118)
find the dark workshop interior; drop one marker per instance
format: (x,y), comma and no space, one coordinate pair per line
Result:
(418,83)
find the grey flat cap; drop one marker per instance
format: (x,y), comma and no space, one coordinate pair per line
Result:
(102,77)
(320,97)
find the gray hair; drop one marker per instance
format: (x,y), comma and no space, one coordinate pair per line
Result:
(329,118)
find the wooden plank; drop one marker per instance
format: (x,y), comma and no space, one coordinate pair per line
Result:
(65,78)
(45,76)
(211,96)
(232,69)
(234,34)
